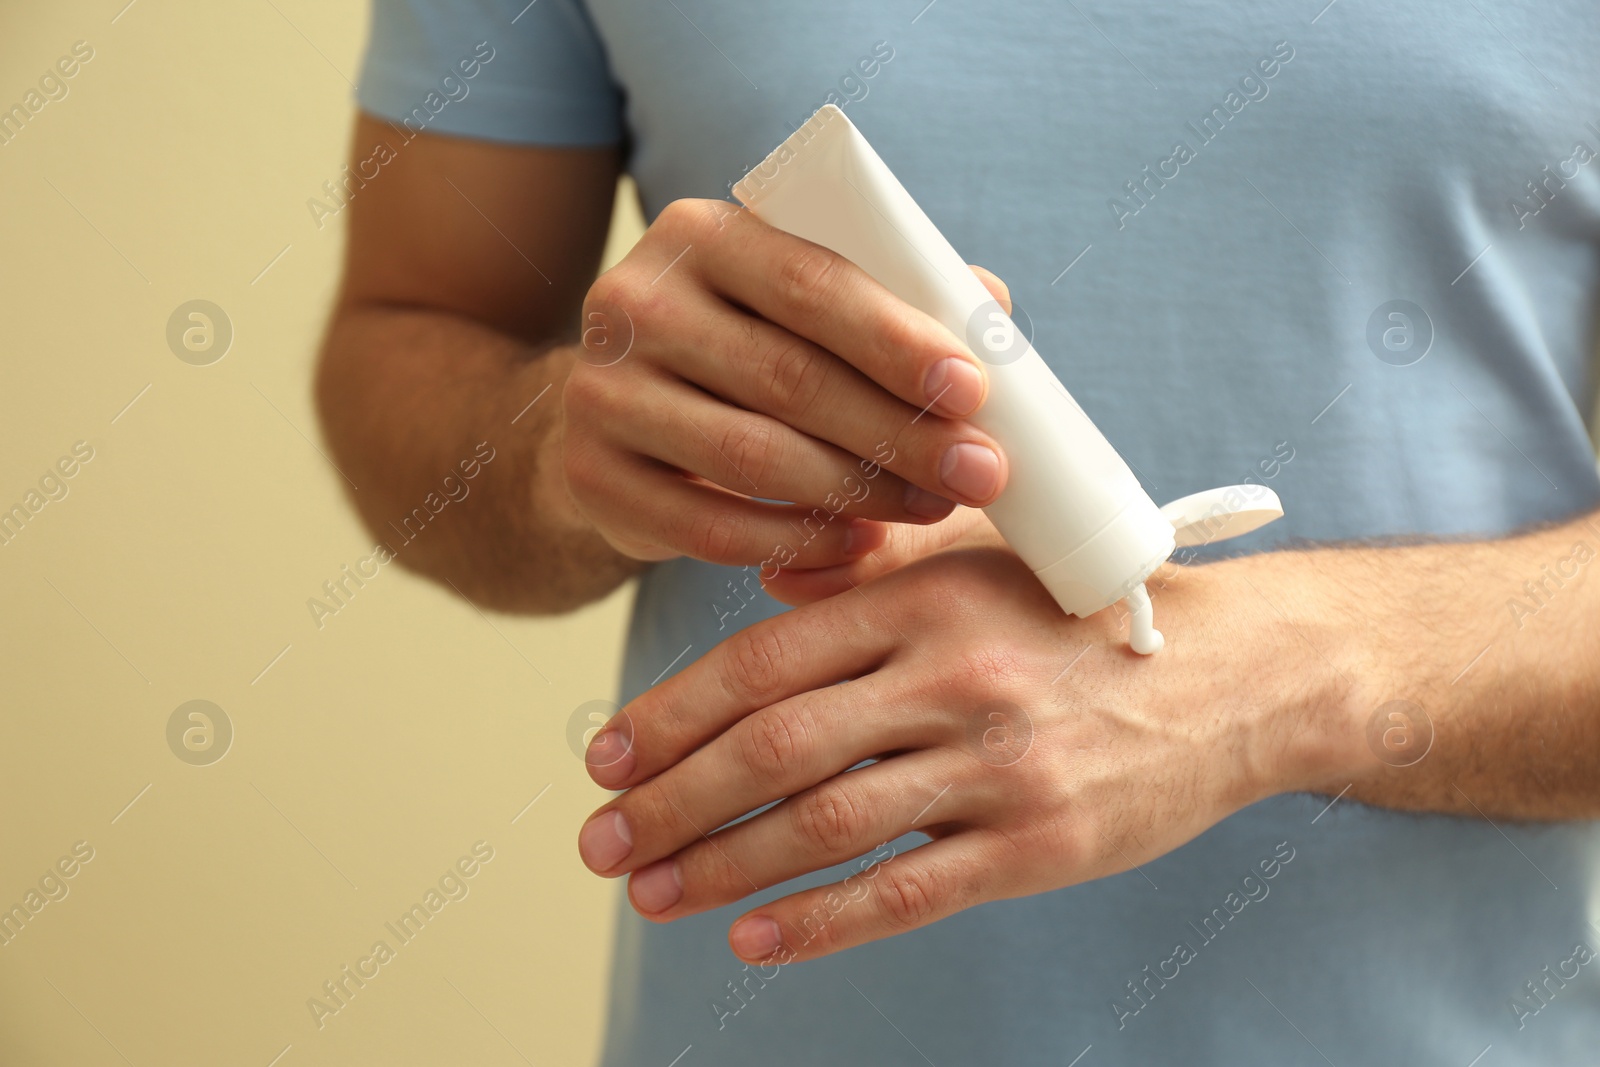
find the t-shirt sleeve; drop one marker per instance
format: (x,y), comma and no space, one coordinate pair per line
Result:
(504,70)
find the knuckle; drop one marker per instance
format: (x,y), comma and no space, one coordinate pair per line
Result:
(772,745)
(985,671)
(751,445)
(710,876)
(715,534)
(607,291)
(919,451)
(828,821)
(897,334)
(1067,844)
(579,468)
(809,278)
(906,898)
(794,372)
(687,216)
(756,662)
(582,465)
(590,400)
(617,302)
(650,811)
(584,393)
(816,928)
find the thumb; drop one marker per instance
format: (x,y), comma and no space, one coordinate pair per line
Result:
(903,544)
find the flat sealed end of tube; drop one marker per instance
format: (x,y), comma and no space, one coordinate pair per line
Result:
(753,187)
(1143,637)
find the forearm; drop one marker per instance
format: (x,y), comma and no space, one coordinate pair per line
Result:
(1497,643)
(409,395)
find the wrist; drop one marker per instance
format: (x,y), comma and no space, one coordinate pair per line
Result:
(550,503)
(1314,663)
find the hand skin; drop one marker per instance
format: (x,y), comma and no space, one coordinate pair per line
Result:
(726,360)
(456,323)
(1273,668)
(633,417)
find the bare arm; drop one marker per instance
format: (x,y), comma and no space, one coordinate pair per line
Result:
(465,270)
(724,367)
(1473,673)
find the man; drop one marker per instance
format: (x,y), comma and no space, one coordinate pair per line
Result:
(1346,816)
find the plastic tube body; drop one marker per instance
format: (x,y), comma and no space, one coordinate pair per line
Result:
(1072,509)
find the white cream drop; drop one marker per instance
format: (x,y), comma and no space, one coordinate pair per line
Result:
(1143,637)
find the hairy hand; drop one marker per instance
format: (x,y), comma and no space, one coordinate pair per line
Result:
(1034,749)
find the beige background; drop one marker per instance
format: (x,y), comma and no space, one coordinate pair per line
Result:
(374,752)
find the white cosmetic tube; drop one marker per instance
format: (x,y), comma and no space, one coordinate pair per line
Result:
(1071,509)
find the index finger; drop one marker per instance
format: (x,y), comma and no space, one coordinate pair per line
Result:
(794,653)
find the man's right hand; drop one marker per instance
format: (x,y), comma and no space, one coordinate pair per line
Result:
(725,364)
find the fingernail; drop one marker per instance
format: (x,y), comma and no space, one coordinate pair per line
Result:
(928,505)
(610,757)
(971,471)
(755,938)
(862,536)
(656,887)
(953,387)
(605,841)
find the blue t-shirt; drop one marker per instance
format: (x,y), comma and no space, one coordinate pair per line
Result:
(1350,252)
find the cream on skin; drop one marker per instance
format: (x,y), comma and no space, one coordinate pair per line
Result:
(1072,509)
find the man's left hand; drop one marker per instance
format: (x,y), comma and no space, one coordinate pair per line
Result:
(1034,749)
